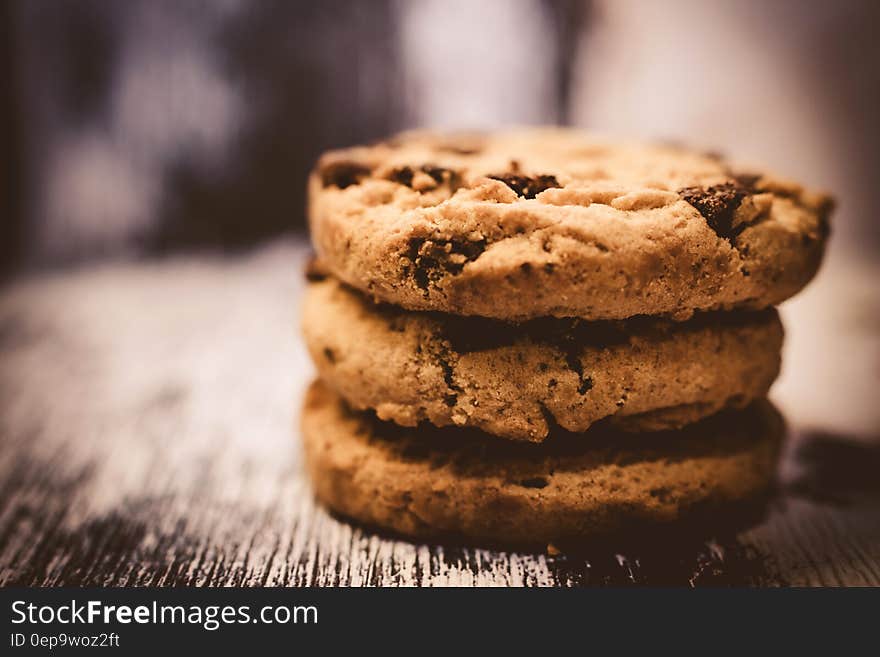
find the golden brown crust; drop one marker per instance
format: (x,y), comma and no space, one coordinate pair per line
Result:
(515,381)
(427,485)
(555,222)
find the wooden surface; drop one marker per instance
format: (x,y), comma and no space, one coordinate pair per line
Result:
(147,420)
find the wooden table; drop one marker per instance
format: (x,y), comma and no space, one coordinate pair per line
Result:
(147,423)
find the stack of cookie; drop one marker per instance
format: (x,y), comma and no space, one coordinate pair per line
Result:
(537,336)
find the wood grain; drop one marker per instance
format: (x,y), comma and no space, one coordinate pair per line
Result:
(147,420)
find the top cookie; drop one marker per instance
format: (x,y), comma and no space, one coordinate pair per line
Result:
(540,222)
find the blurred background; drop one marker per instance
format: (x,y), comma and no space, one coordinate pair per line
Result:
(155,127)
(151,125)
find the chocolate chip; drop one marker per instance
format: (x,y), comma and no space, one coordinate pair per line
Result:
(718,204)
(437,173)
(571,351)
(444,360)
(525,186)
(432,258)
(471,249)
(343,174)
(422,273)
(535,482)
(585,385)
(402,175)
(329,355)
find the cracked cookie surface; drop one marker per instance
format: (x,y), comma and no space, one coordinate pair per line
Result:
(517,381)
(439,483)
(540,222)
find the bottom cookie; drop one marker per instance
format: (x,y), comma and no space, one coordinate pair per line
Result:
(431,483)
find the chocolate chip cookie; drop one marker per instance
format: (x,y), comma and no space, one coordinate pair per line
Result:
(517,381)
(554,222)
(436,483)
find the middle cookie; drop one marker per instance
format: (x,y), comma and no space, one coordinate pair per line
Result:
(515,381)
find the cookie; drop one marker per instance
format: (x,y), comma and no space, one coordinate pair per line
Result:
(516,381)
(437,483)
(554,222)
